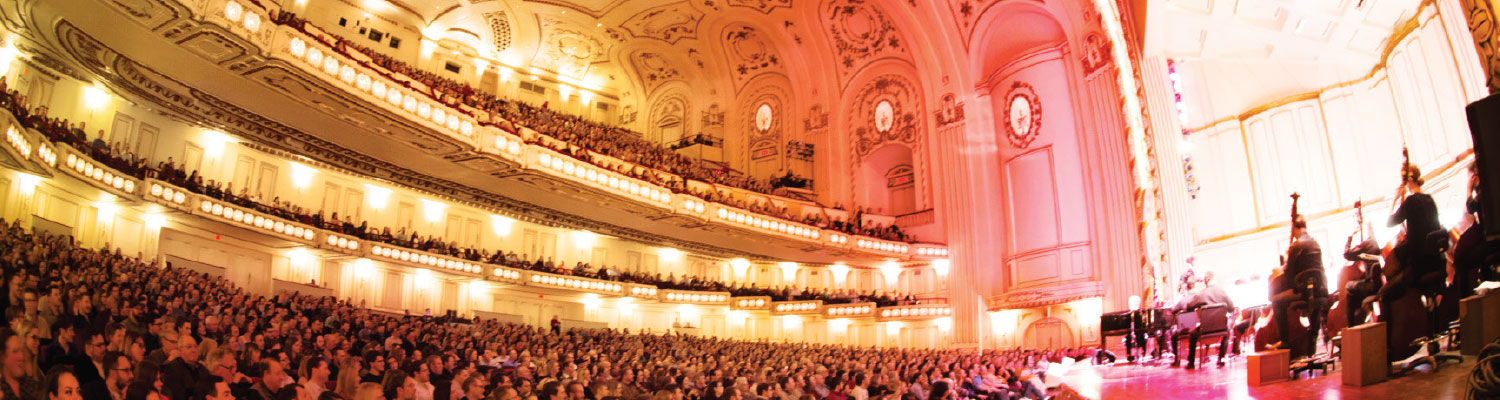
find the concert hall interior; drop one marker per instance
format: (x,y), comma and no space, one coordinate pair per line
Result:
(749,199)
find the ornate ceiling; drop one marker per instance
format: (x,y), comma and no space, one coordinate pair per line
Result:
(1234,55)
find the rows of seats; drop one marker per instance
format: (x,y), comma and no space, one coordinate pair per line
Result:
(582,138)
(96,325)
(61,131)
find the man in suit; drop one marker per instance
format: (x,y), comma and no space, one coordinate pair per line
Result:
(118,373)
(1210,294)
(90,367)
(180,377)
(1303,255)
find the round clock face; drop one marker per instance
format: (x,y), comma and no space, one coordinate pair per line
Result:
(1020,115)
(763,117)
(885,116)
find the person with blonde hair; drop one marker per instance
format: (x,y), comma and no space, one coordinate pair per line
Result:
(365,391)
(348,384)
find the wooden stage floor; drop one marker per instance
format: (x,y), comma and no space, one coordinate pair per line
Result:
(1141,382)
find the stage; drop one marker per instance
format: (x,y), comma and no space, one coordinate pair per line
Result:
(1140,382)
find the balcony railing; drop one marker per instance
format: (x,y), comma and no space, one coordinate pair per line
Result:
(313,51)
(88,170)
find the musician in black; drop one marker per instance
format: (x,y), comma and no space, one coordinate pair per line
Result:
(1303,255)
(1207,294)
(1420,251)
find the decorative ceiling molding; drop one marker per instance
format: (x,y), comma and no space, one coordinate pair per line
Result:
(749,54)
(654,69)
(764,6)
(597,11)
(567,49)
(669,23)
(861,33)
(500,32)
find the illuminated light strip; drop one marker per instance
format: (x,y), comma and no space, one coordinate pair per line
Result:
(1139,143)
(796,307)
(586,172)
(694,297)
(849,310)
(232,213)
(171,195)
(88,169)
(575,283)
(918,312)
(932,251)
(506,144)
(773,225)
(428,259)
(507,274)
(236,14)
(749,303)
(18,142)
(883,246)
(643,291)
(429,110)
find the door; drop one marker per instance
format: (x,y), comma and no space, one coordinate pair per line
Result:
(192,158)
(404,213)
(354,201)
(119,132)
(600,257)
(244,169)
(331,193)
(548,246)
(266,182)
(145,145)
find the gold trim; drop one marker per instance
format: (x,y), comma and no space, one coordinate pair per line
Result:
(1397,36)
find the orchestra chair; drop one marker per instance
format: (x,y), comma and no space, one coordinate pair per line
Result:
(1429,286)
(1313,286)
(1187,325)
(1213,322)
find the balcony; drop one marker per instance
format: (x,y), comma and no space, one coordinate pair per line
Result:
(364,114)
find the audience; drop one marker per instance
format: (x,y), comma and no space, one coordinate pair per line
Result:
(595,142)
(183,314)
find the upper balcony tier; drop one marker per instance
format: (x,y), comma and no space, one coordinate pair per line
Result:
(224,63)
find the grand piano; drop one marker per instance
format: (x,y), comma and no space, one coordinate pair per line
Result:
(1148,322)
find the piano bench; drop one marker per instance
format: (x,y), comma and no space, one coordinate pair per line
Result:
(1269,366)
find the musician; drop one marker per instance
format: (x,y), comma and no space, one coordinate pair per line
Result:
(1366,255)
(1187,301)
(1471,249)
(1303,255)
(1209,294)
(1421,261)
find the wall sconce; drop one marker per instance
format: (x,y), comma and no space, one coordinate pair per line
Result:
(377,196)
(891,271)
(941,267)
(433,210)
(302,175)
(670,254)
(740,266)
(584,240)
(502,225)
(94,97)
(788,271)
(213,142)
(840,273)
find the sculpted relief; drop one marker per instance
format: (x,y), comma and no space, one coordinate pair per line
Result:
(860,33)
(886,109)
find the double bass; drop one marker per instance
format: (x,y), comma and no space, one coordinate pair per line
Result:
(1267,334)
(1407,307)
(1356,270)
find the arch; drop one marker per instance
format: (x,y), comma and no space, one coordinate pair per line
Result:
(759,124)
(1011,31)
(873,184)
(668,118)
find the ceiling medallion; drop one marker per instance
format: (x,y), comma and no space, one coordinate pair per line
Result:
(885,116)
(763,117)
(1023,113)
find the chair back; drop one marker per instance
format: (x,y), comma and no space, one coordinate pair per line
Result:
(1311,283)
(1187,320)
(1213,318)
